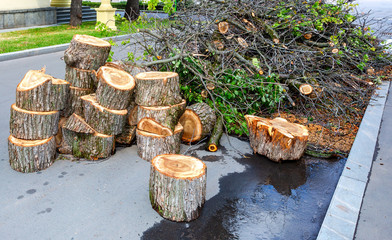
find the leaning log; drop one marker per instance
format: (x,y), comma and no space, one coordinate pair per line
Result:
(216,135)
(75,103)
(33,125)
(31,155)
(81,78)
(87,52)
(127,136)
(277,139)
(198,121)
(177,186)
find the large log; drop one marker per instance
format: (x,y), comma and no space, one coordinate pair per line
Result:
(75,103)
(177,186)
(198,121)
(41,92)
(81,78)
(31,155)
(150,144)
(103,120)
(167,116)
(127,136)
(87,52)
(157,89)
(33,125)
(277,139)
(115,88)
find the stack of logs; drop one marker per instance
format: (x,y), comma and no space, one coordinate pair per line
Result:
(34,119)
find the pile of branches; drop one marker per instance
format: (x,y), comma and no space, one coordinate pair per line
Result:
(257,57)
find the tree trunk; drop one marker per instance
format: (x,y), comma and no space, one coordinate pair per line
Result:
(115,88)
(177,186)
(127,136)
(277,139)
(157,89)
(75,103)
(216,135)
(103,120)
(87,52)
(32,125)
(81,78)
(150,145)
(31,155)
(76,13)
(132,11)
(167,116)
(198,121)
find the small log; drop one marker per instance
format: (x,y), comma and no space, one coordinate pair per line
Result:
(277,139)
(305,89)
(59,136)
(223,27)
(127,136)
(157,89)
(41,92)
(31,125)
(103,120)
(167,116)
(77,124)
(216,135)
(81,78)
(150,144)
(31,155)
(87,52)
(198,120)
(177,186)
(75,103)
(115,88)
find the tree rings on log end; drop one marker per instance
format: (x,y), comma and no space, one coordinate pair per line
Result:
(223,27)
(212,147)
(305,89)
(151,126)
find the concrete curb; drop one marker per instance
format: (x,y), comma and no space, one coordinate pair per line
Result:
(342,215)
(49,49)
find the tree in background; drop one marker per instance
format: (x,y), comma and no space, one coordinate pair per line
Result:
(132,10)
(76,13)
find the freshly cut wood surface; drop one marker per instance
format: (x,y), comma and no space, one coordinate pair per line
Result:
(87,52)
(31,155)
(198,121)
(75,103)
(151,126)
(177,186)
(33,125)
(59,136)
(157,89)
(127,136)
(277,139)
(103,120)
(167,116)
(77,124)
(223,27)
(216,135)
(305,89)
(115,88)
(150,145)
(81,78)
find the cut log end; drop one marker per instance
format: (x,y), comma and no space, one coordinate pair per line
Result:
(223,27)
(192,126)
(212,147)
(305,89)
(90,40)
(179,166)
(32,79)
(155,75)
(116,78)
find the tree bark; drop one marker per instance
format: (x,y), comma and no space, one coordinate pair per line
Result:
(59,135)
(157,89)
(216,135)
(132,114)
(177,186)
(31,155)
(87,52)
(76,13)
(31,125)
(81,78)
(277,139)
(132,11)
(150,145)
(115,88)
(127,136)
(75,103)
(198,121)
(77,124)
(103,120)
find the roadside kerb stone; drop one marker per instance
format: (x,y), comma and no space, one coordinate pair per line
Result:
(342,215)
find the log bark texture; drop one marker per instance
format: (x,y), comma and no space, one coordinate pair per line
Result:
(31,155)
(198,121)
(177,186)
(132,114)
(157,89)
(216,135)
(59,136)
(75,103)
(150,145)
(81,78)
(77,124)
(103,120)
(33,125)
(167,116)
(127,136)
(115,88)
(87,52)
(277,139)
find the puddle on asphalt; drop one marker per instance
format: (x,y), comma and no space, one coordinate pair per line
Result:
(267,201)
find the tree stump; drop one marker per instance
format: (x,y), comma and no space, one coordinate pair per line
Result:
(31,125)
(177,186)
(81,78)
(127,136)
(75,103)
(103,120)
(115,88)
(31,155)
(277,139)
(198,120)
(150,144)
(157,89)
(87,52)
(41,92)
(167,116)
(151,126)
